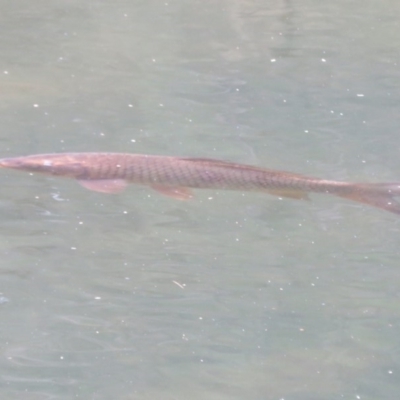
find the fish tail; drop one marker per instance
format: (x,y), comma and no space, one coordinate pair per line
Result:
(380,195)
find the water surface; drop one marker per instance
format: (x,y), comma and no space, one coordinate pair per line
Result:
(231,295)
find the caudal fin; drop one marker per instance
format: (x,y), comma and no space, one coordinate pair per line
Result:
(380,195)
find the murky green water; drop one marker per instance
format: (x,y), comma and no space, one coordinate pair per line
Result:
(231,295)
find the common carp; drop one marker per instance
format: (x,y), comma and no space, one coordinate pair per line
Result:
(176,176)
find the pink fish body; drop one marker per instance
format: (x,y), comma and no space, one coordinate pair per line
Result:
(176,176)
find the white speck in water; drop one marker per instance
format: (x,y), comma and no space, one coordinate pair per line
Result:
(181,285)
(130,105)
(360,95)
(36,105)
(323,59)
(273,60)
(6,72)
(97,298)
(56,196)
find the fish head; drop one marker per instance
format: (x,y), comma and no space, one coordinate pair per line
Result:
(68,165)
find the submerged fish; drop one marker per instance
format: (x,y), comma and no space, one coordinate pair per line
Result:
(176,176)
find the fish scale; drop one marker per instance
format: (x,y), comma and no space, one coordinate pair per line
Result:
(175,176)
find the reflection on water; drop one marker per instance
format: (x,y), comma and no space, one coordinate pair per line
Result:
(231,295)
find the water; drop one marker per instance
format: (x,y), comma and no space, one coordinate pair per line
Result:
(231,295)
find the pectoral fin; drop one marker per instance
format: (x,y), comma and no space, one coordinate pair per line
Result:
(291,194)
(104,185)
(179,193)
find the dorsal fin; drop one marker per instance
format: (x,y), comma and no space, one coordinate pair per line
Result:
(212,163)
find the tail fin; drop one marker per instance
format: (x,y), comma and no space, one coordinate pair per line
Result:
(380,195)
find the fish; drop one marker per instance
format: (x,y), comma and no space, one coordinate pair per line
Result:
(177,176)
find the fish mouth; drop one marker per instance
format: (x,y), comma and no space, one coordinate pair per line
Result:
(25,164)
(46,164)
(10,163)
